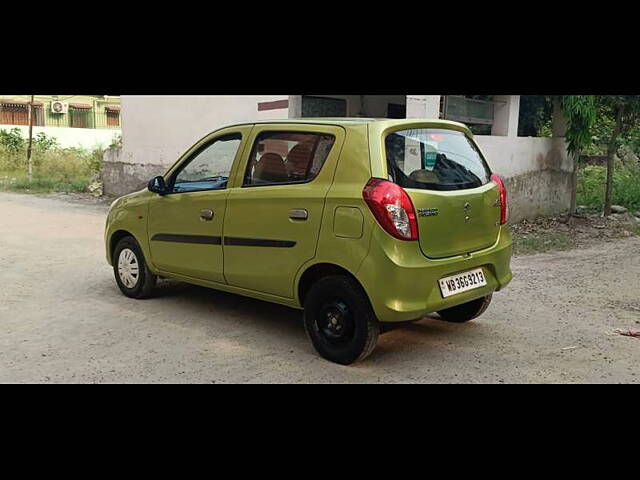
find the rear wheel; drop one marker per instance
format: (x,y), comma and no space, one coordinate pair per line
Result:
(130,269)
(339,320)
(466,311)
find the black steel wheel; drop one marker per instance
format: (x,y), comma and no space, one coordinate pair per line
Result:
(339,320)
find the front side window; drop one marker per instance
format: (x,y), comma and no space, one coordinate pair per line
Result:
(287,157)
(209,168)
(435,159)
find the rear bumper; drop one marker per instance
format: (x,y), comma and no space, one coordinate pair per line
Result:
(402,283)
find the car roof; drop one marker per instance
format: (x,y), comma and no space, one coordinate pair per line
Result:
(379,123)
(351,120)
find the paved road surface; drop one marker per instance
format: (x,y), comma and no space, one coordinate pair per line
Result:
(62,319)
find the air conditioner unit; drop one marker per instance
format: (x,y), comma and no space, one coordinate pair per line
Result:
(59,107)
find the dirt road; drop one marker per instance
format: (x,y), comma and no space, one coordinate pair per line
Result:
(62,319)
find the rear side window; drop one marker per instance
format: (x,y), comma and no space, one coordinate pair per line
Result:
(287,157)
(435,159)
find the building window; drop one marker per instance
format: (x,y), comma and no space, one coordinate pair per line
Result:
(476,111)
(396,110)
(38,114)
(15,112)
(323,107)
(80,115)
(113,116)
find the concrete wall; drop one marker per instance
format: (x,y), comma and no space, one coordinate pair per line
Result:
(72,137)
(423,106)
(537,173)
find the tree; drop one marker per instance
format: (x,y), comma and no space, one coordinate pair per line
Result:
(625,109)
(580,113)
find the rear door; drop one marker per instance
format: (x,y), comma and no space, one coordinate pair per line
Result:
(273,220)
(448,181)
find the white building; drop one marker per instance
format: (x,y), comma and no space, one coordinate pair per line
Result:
(158,129)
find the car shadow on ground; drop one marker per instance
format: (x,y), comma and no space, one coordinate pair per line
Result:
(202,304)
(247,320)
(427,339)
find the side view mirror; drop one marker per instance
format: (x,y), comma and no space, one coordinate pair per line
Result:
(157,185)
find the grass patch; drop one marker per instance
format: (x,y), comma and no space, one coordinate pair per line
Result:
(19,181)
(542,242)
(626,186)
(54,169)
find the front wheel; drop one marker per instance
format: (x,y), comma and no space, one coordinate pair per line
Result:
(130,269)
(466,311)
(339,320)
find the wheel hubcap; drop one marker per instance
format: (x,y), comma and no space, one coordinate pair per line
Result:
(335,322)
(128,268)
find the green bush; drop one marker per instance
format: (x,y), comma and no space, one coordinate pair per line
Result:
(43,143)
(12,140)
(54,168)
(626,186)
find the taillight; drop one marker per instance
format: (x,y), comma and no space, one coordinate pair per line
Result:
(392,208)
(504,213)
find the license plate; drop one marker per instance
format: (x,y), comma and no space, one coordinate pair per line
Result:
(462,282)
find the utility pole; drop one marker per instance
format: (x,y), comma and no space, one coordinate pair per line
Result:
(29,160)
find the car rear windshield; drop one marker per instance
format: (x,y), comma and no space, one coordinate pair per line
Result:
(435,159)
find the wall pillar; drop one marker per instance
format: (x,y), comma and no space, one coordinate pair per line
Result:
(505,115)
(295,106)
(423,106)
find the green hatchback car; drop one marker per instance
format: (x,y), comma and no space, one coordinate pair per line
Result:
(362,223)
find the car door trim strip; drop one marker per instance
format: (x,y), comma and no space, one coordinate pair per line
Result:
(257,242)
(230,241)
(174,237)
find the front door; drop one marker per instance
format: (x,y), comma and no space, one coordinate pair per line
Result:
(185,225)
(273,219)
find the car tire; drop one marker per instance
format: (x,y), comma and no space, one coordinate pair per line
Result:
(466,311)
(339,320)
(131,271)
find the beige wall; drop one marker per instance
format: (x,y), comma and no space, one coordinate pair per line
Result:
(423,106)
(158,129)
(537,173)
(513,156)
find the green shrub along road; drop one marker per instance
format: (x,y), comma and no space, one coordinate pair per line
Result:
(626,186)
(55,169)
